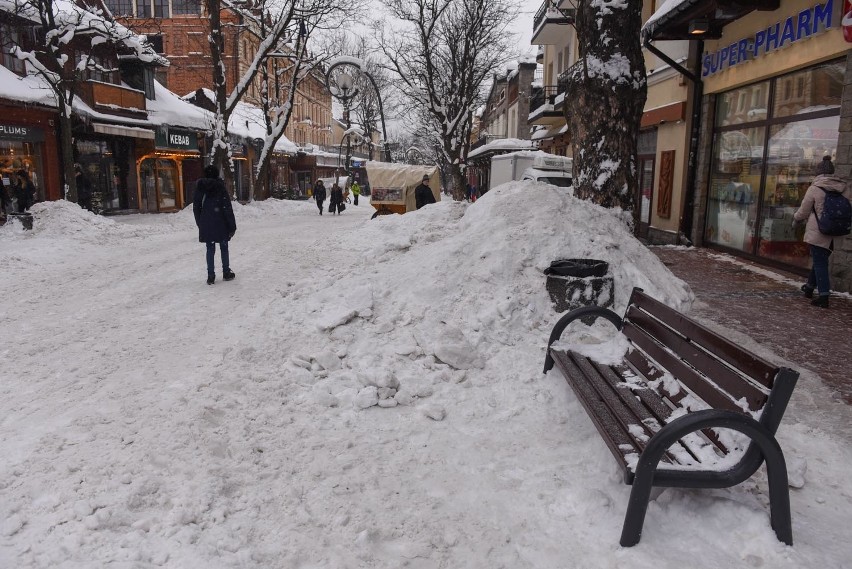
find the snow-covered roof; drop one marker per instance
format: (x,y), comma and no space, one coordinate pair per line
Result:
(248,122)
(167,109)
(507,144)
(27,89)
(170,109)
(667,8)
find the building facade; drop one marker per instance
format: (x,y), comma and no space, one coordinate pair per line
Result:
(775,100)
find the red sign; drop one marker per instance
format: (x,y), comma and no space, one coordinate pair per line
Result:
(846,21)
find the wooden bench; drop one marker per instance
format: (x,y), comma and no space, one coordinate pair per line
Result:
(660,410)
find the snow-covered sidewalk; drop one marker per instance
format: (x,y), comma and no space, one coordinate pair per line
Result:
(364,394)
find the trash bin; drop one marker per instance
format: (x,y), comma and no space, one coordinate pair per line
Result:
(25,218)
(574,283)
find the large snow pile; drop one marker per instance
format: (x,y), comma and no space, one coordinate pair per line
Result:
(364,394)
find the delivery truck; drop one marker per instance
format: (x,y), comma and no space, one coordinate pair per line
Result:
(532,165)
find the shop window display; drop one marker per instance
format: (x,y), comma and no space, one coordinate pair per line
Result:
(764,158)
(160,182)
(21,155)
(735,181)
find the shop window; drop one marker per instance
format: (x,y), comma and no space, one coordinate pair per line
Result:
(734,187)
(821,87)
(728,109)
(160,183)
(22,155)
(795,150)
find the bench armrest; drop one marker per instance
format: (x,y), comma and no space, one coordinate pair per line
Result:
(764,447)
(590,311)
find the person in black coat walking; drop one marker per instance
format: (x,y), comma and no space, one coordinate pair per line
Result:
(319,194)
(336,198)
(214,217)
(84,188)
(423,193)
(24,191)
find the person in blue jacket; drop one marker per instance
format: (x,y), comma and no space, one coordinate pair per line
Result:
(214,217)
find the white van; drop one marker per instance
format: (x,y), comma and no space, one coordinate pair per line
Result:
(531,165)
(550,169)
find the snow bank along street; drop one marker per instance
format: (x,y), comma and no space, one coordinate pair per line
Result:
(364,394)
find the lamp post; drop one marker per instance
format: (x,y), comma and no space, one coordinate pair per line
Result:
(342,79)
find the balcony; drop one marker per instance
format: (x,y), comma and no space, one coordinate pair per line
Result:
(543,101)
(561,90)
(114,99)
(549,24)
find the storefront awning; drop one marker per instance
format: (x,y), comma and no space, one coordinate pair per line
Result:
(699,19)
(116,130)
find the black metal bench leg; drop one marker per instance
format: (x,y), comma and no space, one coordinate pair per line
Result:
(634,519)
(779,496)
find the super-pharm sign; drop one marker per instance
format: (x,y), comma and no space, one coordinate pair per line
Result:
(803,25)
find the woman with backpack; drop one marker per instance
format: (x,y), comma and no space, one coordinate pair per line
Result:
(827,209)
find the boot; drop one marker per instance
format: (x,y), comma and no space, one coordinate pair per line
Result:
(211,279)
(229,275)
(821,301)
(808,290)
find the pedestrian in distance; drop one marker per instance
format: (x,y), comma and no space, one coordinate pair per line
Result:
(84,188)
(214,217)
(5,202)
(24,191)
(423,193)
(356,191)
(336,199)
(825,186)
(319,194)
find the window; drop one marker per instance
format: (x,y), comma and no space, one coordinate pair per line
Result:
(11,38)
(98,68)
(765,156)
(821,88)
(120,7)
(161,9)
(143,8)
(186,7)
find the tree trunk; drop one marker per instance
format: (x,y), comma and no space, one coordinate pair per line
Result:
(66,149)
(606,88)
(458,181)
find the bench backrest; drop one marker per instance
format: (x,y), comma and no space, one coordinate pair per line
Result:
(712,368)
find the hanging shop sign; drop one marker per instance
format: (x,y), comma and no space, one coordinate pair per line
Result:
(173,138)
(18,132)
(805,24)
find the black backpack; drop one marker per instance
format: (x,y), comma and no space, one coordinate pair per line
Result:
(836,217)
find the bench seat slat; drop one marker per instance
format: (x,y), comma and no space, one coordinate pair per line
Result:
(619,441)
(732,382)
(652,400)
(752,365)
(699,385)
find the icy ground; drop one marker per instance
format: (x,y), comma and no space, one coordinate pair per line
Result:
(364,394)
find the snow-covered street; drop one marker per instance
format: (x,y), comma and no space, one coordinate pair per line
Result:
(364,394)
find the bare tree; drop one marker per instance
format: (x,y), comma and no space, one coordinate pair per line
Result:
(443,51)
(51,56)
(608,89)
(281,28)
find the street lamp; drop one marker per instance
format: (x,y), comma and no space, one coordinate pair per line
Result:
(342,78)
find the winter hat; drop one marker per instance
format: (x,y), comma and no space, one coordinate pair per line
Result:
(825,167)
(211,171)
(425,177)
